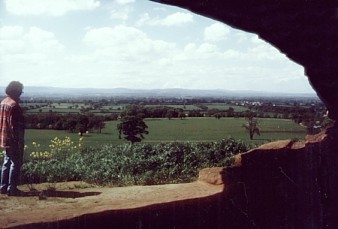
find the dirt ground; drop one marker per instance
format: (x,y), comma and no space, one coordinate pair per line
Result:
(53,202)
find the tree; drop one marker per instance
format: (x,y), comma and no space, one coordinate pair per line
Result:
(181,115)
(82,124)
(251,125)
(133,128)
(170,114)
(218,115)
(70,124)
(230,112)
(96,122)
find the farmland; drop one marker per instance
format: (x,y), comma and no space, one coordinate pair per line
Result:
(184,135)
(170,119)
(189,129)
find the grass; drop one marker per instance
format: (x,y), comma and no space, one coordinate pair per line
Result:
(184,107)
(223,107)
(190,129)
(212,129)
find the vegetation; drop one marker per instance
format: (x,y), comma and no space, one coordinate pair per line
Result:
(81,122)
(128,165)
(133,128)
(251,125)
(67,115)
(183,136)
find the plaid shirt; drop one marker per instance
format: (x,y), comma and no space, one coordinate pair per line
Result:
(11,122)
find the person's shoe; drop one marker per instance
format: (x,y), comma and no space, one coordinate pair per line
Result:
(3,192)
(15,192)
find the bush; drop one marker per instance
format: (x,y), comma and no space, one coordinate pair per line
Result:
(138,164)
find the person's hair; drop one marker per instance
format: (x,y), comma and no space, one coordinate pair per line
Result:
(14,88)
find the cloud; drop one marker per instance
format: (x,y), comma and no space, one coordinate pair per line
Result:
(123,2)
(216,32)
(16,39)
(49,7)
(10,40)
(121,9)
(144,19)
(121,14)
(265,52)
(30,55)
(28,47)
(163,9)
(175,19)
(125,43)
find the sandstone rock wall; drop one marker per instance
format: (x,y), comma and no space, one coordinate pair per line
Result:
(284,184)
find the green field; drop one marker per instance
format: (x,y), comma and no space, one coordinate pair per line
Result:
(76,107)
(190,129)
(223,107)
(211,129)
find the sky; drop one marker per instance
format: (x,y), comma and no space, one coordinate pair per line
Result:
(135,44)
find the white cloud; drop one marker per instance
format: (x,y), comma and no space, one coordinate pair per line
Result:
(27,46)
(163,9)
(116,36)
(10,40)
(144,19)
(216,32)
(265,51)
(123,56)
(121,10)
(122,13)
(49,7)
(10,32)
(232,54)
(123,2)
(175,19)
(128,57)
(207,48)
(124,38)
(30,55)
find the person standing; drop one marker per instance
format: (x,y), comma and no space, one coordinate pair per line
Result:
(12,127)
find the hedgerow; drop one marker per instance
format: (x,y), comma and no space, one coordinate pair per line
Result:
(137,164)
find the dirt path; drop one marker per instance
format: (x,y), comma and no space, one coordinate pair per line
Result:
(73,199)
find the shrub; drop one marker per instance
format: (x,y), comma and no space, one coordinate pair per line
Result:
(54,165)
(138,164)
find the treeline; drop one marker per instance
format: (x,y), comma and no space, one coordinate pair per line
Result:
(171,112)
(70,122)
(267,110)
(153,112)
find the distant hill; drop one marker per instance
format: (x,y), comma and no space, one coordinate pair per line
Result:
(56,92)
